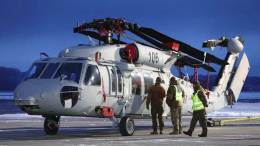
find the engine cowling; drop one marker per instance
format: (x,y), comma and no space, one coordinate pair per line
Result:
(141,54)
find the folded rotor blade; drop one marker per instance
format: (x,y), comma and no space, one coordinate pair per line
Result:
(147,38)
(185,60)
(185,48)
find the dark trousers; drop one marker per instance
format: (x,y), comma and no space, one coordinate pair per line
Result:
(157,112)
(199,116)
(176,117)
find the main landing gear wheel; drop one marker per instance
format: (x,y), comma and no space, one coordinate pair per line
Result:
(127,126)
(51,125)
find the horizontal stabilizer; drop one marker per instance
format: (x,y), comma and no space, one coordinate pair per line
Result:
(240,76)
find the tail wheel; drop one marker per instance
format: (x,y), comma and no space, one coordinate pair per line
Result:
(210,122)
(51,125)
(127,126)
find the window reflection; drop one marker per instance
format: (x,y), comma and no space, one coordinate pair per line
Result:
(70,71)
(113,77)
(148,82)
(51,68)
(136,84)
(92,76)
(35,70)
(119,74)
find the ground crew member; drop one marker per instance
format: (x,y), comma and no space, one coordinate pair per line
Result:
(175,95)
(155,97)
(199,102)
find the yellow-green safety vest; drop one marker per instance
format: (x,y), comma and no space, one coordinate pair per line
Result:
(178,94)
(196,102)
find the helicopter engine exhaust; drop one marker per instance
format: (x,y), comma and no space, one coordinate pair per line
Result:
(146,55)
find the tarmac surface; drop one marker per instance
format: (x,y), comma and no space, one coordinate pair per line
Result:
(79,131)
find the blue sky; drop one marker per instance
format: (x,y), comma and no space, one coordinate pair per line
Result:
(29,27)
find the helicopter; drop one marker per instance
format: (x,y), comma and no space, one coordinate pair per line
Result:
(111,79)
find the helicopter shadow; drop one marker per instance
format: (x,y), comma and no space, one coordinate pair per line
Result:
(35,133)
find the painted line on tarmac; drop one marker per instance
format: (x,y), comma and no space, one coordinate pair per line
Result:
(156,140)
(240,119)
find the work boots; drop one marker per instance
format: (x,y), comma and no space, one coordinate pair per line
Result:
(204,132)
(154,132)
(187,133)
(202,135)
(174,133)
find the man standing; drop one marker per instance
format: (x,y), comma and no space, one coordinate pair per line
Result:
(175,95)
(199,102)
(155,97)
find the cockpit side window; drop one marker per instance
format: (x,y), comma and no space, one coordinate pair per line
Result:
(92,76)
(35,70)
(69,71)
(51,68)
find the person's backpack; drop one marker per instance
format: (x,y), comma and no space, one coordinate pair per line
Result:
(169,100)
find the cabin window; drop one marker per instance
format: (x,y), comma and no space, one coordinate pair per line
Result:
(51,68)
(113,77)
(148,82)
(136,84)
(92,76)
(35,70)
(70,71)
(119,75)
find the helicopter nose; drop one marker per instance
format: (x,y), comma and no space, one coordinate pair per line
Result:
(30,95)
(26,103)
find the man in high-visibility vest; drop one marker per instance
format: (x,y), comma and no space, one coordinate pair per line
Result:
(174,100)
(199,103)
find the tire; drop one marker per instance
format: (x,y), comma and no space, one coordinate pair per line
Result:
(51,125)
(127,126)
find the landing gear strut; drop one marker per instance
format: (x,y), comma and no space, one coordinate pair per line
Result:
(127,126)
(51,125)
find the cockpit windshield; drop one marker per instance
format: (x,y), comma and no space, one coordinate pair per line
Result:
(35,70)
(49,71)
(69,71)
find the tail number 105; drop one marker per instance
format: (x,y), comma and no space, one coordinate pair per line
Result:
(153,57)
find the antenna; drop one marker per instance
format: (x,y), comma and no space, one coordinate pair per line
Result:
(43,54)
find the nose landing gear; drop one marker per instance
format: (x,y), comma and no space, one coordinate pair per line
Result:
(127,126)
(51,124)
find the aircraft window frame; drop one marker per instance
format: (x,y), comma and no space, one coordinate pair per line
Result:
(76,75)
(113,79)
(35,75)
(148,82)
(51,72)
(96,79)
(119,80)
(136,83)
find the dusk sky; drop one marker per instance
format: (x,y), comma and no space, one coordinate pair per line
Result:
(29,27)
